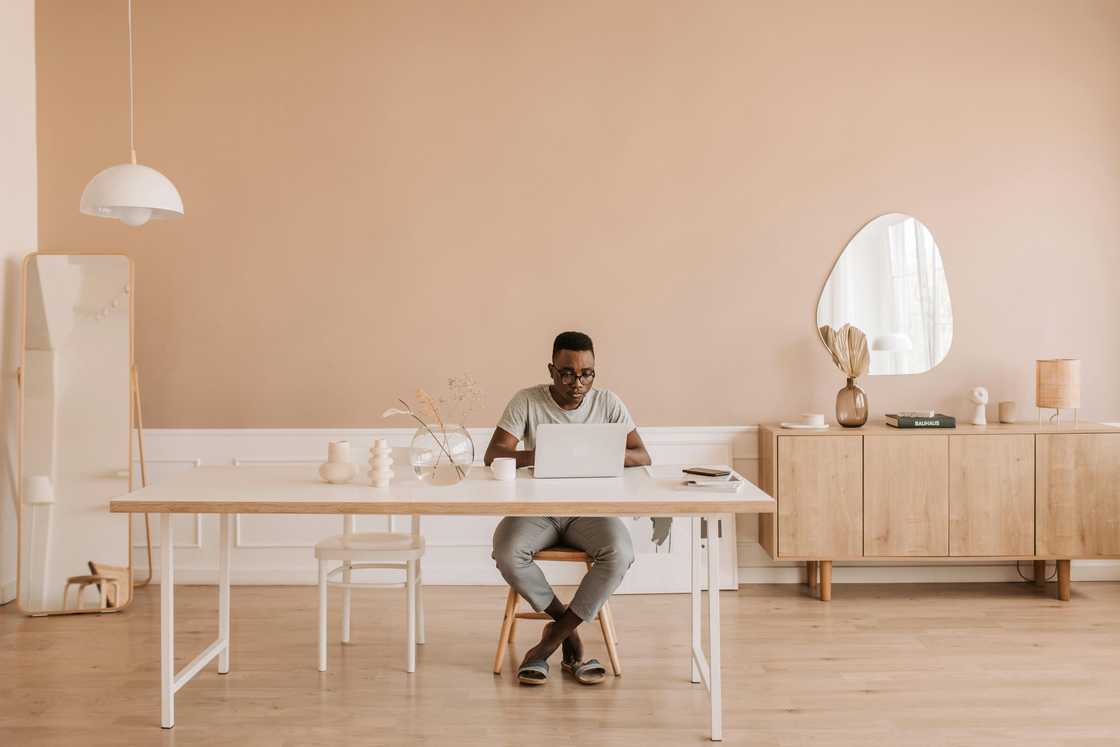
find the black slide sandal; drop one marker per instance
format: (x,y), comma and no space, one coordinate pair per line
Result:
(590,672)
(534,672)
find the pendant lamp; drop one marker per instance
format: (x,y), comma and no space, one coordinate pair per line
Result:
(131,192)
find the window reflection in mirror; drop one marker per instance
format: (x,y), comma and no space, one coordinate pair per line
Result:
(890,282)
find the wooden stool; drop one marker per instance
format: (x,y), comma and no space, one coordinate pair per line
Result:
(511,616)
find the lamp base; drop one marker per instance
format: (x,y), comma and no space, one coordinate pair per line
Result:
(1057,416)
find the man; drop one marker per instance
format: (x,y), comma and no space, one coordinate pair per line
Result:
(569,399)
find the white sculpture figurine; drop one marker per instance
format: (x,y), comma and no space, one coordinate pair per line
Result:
(979,397)
(380,464)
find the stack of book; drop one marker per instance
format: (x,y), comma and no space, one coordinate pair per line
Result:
(726,485)
(920,420)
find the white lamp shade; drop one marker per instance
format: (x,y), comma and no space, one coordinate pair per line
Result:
(893,343)
(131,193)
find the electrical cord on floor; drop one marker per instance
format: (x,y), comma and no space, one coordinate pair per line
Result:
(1019,570)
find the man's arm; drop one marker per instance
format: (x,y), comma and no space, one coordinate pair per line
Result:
(504,444)
(636,454)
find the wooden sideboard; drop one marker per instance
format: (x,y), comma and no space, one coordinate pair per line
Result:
(973,493)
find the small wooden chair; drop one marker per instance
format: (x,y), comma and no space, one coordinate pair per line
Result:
(511,616)
(108,589)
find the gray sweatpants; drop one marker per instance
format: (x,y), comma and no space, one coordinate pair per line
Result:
(604,538)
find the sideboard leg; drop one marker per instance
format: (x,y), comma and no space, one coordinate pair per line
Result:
(1063,580)
(826,580)
(1040,573)
(811,575)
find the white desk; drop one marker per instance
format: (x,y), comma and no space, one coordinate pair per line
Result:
(296,489)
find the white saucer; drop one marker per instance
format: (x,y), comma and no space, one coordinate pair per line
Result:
(804,427)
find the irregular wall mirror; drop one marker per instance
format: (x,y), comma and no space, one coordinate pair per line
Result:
(75,416)
(890,282)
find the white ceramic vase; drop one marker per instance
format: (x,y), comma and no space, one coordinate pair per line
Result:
(380,464)
(338,469)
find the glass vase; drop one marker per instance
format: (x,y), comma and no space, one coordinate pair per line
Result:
(442,455)
(851,406)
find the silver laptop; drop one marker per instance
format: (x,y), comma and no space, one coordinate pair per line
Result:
(581,450)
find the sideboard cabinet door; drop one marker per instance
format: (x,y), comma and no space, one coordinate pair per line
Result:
(1077,480)
(820,497)
(991,495)
(906,496)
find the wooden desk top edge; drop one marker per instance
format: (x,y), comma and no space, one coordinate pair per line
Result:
(685,506)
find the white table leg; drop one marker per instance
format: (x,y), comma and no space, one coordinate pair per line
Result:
(347,577)
(322,615)
(225,540)
(166,624)
(714,683)
(694,629)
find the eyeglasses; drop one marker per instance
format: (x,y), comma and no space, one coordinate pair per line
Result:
(568,376)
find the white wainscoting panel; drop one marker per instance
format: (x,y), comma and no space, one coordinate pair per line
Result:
(277,549)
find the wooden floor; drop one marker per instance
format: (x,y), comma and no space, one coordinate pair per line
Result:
(880,665)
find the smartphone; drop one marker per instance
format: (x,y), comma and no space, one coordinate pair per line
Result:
(706,472)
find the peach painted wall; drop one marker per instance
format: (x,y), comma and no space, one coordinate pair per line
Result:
(383,194)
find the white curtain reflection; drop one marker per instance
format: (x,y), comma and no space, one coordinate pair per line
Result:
(920,298)
(890,283)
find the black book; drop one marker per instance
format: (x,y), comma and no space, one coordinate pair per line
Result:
(938,420)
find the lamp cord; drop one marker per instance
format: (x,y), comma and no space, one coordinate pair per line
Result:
(131,142)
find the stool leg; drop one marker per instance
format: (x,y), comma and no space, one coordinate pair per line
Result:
(826,580)
(513,619)
(346,576)
(507,625)
(606,622)
(610,623)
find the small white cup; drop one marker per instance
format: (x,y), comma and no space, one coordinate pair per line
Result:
(504,468)
(812,418)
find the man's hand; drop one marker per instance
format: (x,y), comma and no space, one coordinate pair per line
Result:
(503,444)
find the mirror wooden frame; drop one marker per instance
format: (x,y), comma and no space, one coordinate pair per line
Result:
(135,419)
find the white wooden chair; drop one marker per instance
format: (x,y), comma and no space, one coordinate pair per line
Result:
(365,550)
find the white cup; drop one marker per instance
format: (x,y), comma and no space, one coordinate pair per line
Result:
(812,418)
(504,468)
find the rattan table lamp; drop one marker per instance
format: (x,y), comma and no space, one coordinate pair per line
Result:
(1058,386)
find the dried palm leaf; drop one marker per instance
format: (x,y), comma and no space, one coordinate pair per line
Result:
(848,347)
(858,357)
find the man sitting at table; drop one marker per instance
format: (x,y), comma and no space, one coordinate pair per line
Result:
(569,399)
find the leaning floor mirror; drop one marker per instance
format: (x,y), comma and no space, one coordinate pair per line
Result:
(78,402)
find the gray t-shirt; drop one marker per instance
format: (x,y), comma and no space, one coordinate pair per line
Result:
(535,405)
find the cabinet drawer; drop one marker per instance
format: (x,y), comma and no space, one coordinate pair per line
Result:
(820,497)
(1077,480)
(991,495)
(906,496)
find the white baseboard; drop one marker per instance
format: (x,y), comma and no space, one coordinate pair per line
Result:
(7,591)
(755,567)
